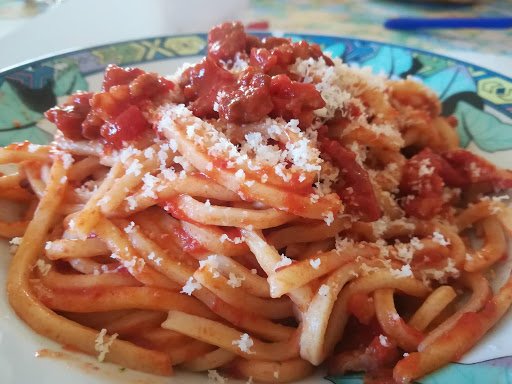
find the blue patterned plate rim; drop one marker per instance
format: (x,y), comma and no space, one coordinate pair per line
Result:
(305,36)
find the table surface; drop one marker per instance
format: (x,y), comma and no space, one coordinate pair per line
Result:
(73,24)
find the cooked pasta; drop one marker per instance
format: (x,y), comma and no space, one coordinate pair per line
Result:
(257,214)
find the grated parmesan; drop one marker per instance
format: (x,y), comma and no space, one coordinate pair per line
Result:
(132,203)
(426,168)
(129,228)
(135,168)
(214,377)
(440,239)
(324,290)
(190,286)
(328,218)
(405,271)
(14,244)
(101,346)
(315,263)
(244,343)
(383,340)
(235,281)
(44,268)
(285,261)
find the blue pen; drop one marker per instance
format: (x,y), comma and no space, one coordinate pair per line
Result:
(407,24)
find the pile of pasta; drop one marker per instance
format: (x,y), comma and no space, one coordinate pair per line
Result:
(258,214)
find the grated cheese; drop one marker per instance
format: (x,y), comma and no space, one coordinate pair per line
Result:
(244,343)
(135,168)
(341,244)
(405,252)
(128,153)
(67,160)
(426,168)
(440,239)
(214,377)
(416,243)
(129,228)
(169,174)
(324,290)
(17,241)
(328,218)
(235,281)
(135,265)
(152,256)
(149,153)
(240,174)
(43,267)
(314,198)
(101,346)
(405,271)
(383,340)
(132,203)
(190,286)
(283,262)
(315,263)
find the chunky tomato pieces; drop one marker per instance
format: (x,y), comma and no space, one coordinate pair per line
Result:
(265,88)
(202,83)
(427,173)
(248,100)
(294,100)
(126,126)
(423,185)
(69,116)
(115,75)
(474,169)
(274,55)
(356,190)
(213,92)
(114,114)
(226,40)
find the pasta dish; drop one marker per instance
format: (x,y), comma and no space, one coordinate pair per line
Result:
(255,215)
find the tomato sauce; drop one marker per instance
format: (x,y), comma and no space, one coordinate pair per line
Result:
(362,307)
(423,185)
(265,88)
(356,192)
(188,243)
(427,173)
(172,206)
(116,114)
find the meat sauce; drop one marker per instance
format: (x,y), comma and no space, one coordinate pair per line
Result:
(264,88)
(114,115)
(356,191)
(427,173)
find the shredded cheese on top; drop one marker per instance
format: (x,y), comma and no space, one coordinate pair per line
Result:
(245,343)
(102,346)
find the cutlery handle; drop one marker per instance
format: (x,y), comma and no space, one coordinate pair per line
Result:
(407,24)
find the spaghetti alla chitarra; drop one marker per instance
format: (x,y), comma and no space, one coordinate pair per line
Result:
(262,212)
